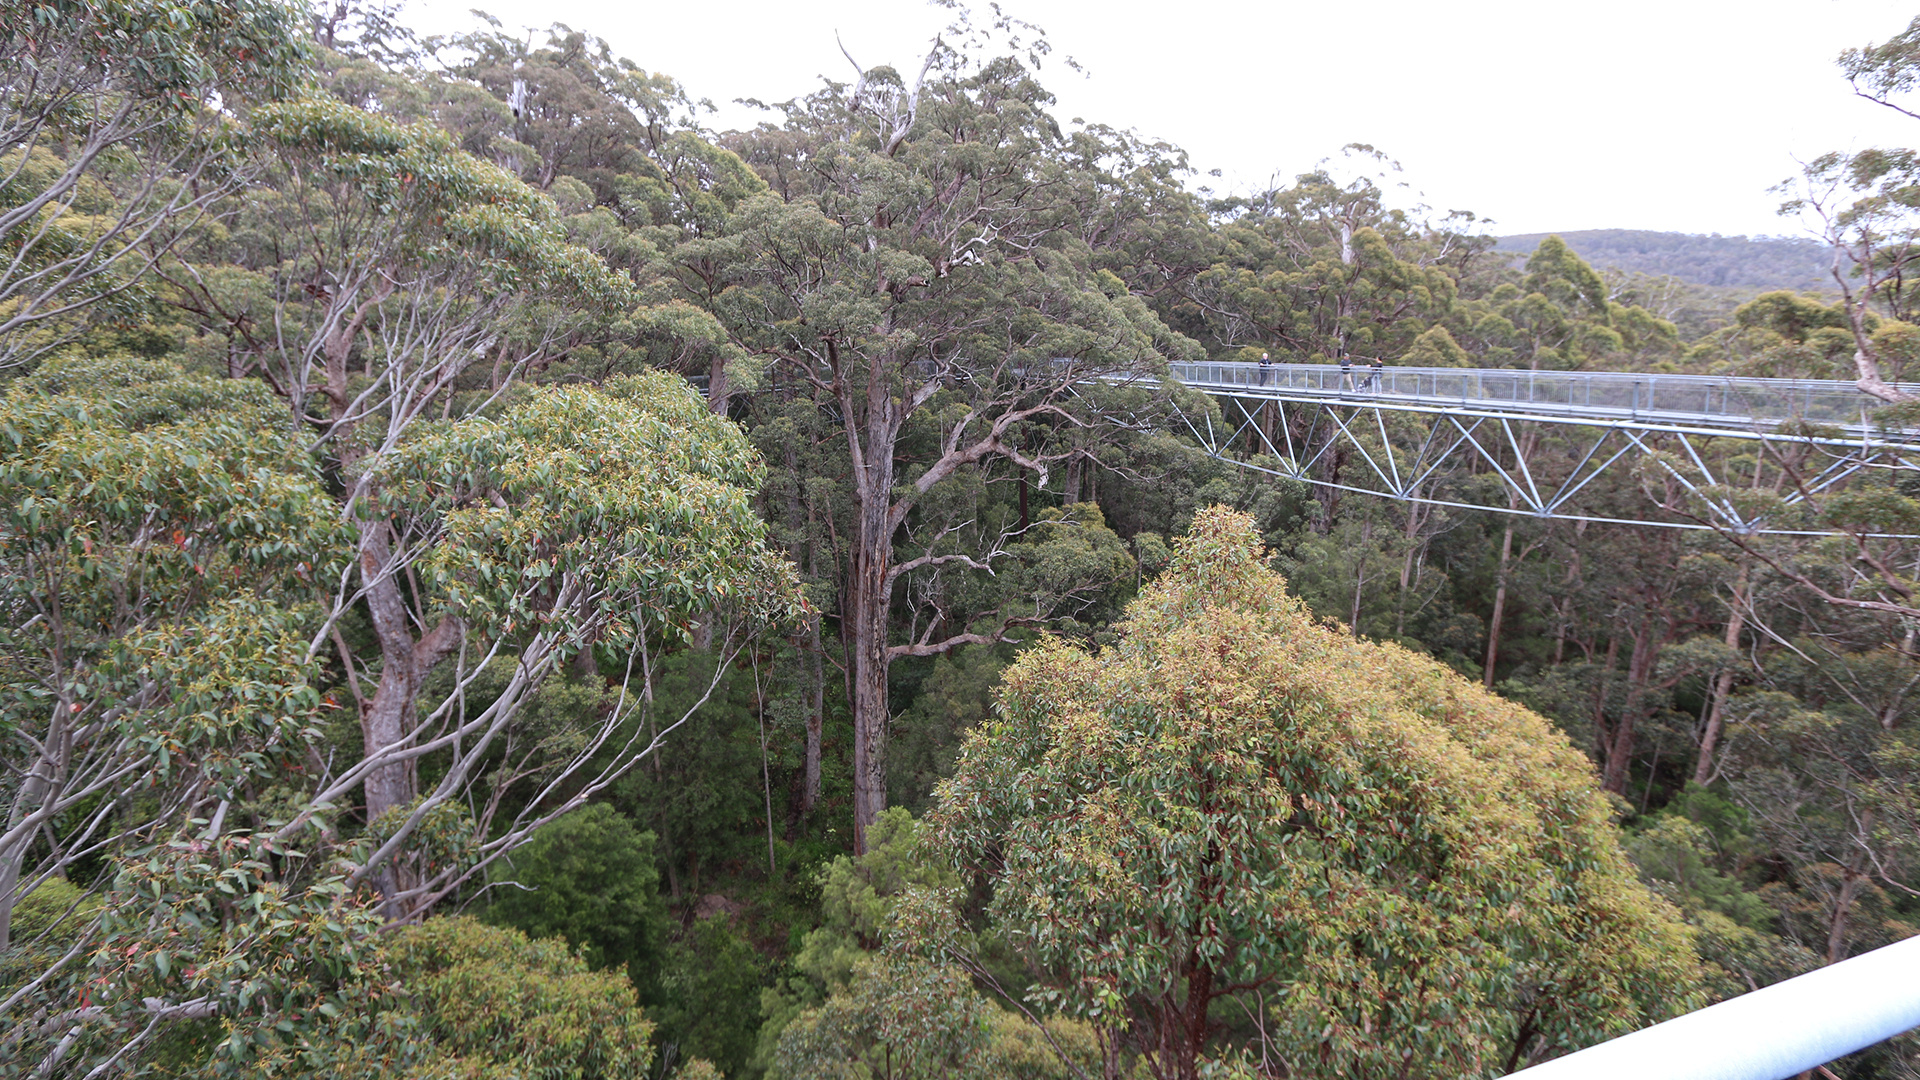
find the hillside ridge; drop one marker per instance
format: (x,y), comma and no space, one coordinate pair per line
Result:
(1757,263)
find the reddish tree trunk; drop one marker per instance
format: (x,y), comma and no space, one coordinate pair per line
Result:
(1646,650)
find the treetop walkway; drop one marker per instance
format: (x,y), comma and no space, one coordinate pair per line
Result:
(1401,433)
(1748,405)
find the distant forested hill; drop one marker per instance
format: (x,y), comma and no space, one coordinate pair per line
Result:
(1749,263)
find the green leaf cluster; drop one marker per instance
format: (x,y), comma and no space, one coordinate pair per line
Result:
(1409,871)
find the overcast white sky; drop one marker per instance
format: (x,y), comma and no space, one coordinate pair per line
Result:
(1541,115)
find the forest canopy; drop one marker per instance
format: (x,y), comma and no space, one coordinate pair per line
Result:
(501,576)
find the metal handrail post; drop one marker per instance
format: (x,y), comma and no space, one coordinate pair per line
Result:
(1773,1033)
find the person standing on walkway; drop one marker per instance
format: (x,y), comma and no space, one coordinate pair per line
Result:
(1266,366)
(1346,371)
(1373,374)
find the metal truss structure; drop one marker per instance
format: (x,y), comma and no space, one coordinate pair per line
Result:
(1401,433)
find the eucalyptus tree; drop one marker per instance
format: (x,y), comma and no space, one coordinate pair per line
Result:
(1862,204)
(1320,269)
(393,289)
(117,120)
(163,537)
(574,108)
(175,558)
(1820,750)
(379,243)
(926,283)
(1241,838)
(620,149)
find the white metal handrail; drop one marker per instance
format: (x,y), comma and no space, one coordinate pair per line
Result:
(1601,395)
(1773,1033)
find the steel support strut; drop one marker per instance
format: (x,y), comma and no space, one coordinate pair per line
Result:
(1444,434)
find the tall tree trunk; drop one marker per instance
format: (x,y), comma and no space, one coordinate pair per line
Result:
(869,594)
(1852,881)
(719,389)
(1499,607)
(1565,607)
(1530,436)
(1646,650)
(1602,732)
(1722,684)
(867,601)
(1417,516)
(1360,576)
(404,664)
(816,709)
(800,513)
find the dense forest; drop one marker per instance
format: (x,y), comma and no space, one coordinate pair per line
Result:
(1697,282)
(504,580)
(1756,263)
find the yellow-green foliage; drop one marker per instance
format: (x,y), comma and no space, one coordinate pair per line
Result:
(904,1018)
(58,906)
(499,1005)
(1417,877)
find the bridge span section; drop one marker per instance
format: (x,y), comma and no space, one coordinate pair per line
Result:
(1742,455)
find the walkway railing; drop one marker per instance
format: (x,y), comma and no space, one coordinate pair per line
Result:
(1598,395)
(1402,432)
(1771,1034)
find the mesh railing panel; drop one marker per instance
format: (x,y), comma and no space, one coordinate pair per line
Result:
(1698,397)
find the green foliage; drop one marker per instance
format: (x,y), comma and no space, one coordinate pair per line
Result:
(1681,856)
(488,1003)
(637,489)
(422,306)
(1750,263)
(1320,269)
(163,534)
(210,928)
(857,893)
(451,999)
(896,1018)
(1674,852)
(954,698)
(588,878)
(1436,348)
(1237,796)
(865,1011)
(712,991)
(700,793)
(906,1019)
(120,131)
(174,54)
(698,1069)
(57,909)
(449,205)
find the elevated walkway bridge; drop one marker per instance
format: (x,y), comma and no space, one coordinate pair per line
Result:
(1736,454)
